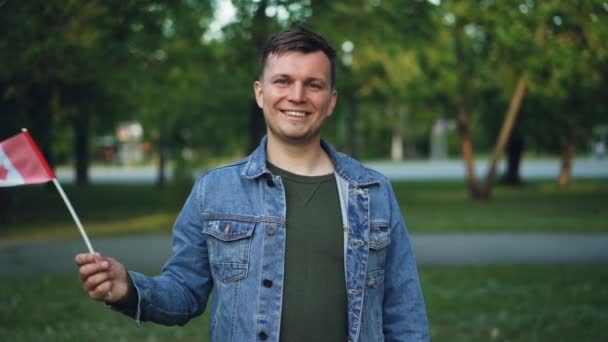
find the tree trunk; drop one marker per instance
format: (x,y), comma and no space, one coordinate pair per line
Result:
(515,149)
(510,117)
(81,148)
(565,172)
(464,71)
(399,122)
(466,146)
(505,131)
(6,203)
(397,141)
(397,145)
(161,178)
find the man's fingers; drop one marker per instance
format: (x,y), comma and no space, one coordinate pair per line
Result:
(90,269)
(103,278)
(87,258)
(101,292)
(117,269)
(96,280)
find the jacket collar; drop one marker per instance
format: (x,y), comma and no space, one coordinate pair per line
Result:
(346,167)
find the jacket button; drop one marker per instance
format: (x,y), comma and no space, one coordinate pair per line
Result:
(271,230)
(267,283)
(263,335)
(270,182)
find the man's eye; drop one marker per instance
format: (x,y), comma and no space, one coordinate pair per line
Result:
(315,86)
(281,81)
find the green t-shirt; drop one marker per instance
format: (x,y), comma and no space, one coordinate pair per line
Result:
(314,295)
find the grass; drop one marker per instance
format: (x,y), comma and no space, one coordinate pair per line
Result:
(517,303)
(487,303)
(37,212)
(55,308)
(535,207)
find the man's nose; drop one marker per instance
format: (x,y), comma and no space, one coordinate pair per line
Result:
(297,93)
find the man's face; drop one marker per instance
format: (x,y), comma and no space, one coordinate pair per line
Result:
(296,96)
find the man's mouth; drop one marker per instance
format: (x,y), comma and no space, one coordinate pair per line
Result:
(295,113)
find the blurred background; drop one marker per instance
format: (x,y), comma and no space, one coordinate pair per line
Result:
(489,117)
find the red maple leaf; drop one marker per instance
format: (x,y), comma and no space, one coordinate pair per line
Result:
(3,172)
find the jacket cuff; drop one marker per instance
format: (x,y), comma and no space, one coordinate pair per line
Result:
(129,306)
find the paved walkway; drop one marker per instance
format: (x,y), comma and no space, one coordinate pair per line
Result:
(454,169)
(583,167)
(148,253)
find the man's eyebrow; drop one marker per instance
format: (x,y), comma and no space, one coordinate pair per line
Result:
(308,79)
(316,79)
(279,76)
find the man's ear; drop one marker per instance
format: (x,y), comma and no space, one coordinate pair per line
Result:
(332,102)
(259,94)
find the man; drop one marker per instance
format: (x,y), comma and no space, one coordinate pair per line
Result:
(297,241)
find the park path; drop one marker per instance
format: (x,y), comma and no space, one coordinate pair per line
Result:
(407,170)
(148,253)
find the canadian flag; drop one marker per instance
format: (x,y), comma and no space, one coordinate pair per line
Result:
(21,162)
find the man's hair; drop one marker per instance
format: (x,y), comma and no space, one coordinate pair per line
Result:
(298,39)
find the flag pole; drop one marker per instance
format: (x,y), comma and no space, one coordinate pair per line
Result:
(69,205)
(49,175)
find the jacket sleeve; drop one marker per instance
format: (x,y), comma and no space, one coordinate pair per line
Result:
(181,291)
(404,312)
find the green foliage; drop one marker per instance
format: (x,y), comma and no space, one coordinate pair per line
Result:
(76,65)
(483,47)
(64,64)
(569,78)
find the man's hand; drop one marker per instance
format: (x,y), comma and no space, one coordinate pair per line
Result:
(103,278)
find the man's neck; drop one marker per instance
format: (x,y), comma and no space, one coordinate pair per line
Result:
(302,159)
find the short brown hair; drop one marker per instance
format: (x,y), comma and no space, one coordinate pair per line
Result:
(298,39)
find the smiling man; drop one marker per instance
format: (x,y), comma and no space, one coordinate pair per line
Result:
(297,241)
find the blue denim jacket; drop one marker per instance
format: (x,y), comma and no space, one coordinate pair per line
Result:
(230,236)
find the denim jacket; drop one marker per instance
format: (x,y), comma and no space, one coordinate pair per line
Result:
(230,238)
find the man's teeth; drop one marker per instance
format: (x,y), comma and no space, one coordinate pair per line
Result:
(294,113)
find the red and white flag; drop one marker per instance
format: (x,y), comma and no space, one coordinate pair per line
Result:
(21,162)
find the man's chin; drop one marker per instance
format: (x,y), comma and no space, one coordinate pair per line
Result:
(297,139)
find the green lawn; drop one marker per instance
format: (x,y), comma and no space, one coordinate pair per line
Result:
(488,303)
(534,207)
(38,212)
(517,303)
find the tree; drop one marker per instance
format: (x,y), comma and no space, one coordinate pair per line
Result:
(495,47)
(64,63)
(378,68)
(569,80)
(171,78)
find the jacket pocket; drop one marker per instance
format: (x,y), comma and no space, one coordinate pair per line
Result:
(229,244)
(374,278)
(379,236)
(379,239)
